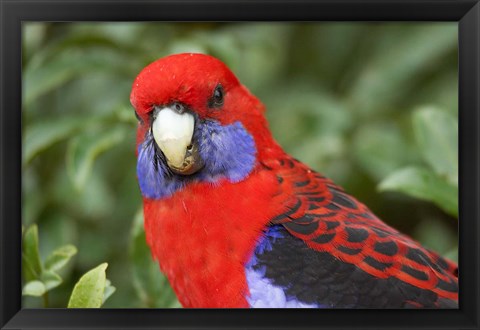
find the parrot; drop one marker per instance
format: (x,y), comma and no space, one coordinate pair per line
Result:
(235,222)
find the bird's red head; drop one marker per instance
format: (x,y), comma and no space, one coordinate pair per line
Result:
(202,83)
(201,119)
(187,78)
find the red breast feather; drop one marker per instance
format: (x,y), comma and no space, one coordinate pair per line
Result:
(203,236)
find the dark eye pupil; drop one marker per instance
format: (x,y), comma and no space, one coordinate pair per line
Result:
(218,95)
(216,101)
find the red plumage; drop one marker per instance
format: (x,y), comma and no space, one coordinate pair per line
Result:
(204,234)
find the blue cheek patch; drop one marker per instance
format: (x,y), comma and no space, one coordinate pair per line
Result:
(154,177)
(228,152)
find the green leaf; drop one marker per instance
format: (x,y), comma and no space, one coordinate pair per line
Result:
(59,258)
(423,184)
(34,288)
(43,134)
(41,80)
(69,63)
(50,279)
(436,133)
(84,149)
(109,290)
(381,148)
(90,289)
(32,265)
(151,286)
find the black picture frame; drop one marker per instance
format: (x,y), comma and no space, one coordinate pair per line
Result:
(14,12)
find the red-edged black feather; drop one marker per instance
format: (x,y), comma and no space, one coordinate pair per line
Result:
(328,220)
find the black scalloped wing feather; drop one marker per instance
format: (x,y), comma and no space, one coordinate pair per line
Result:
(361,251)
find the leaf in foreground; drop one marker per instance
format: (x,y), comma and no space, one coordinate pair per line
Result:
(32,266)
(51,280)
(89,290)
(109,290)
(34,288)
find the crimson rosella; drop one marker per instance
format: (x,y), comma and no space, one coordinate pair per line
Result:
(234,221)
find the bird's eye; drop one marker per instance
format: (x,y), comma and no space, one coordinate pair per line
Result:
(216,101)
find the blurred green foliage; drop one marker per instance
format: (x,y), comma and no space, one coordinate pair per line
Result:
(345,98)
(436,135)
(91,291)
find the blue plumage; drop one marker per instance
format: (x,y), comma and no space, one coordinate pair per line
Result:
(228,151)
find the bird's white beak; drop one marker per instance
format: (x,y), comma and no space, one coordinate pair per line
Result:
(173,132)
